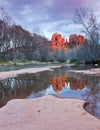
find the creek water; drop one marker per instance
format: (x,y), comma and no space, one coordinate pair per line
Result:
(59,82)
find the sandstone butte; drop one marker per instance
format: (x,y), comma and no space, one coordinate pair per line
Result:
(77,39)
(58,41)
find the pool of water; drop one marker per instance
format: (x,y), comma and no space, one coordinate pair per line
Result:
(60,83)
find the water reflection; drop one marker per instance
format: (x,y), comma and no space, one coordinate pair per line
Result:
(58,82)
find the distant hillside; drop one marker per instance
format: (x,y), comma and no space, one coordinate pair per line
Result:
(18,43)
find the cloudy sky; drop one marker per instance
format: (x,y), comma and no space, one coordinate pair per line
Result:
(47,16)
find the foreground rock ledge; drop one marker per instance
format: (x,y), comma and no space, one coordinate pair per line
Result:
(46,113)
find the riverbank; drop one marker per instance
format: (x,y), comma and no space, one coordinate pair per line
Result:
(46,113)
(18,62)
(93,72)
(13,73)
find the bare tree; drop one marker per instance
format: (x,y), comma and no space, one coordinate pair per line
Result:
(90,27)
(5,23)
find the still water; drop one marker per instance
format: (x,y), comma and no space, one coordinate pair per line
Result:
(60,83)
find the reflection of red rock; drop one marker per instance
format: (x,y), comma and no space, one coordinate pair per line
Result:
(76,84)
(58,40)
(58,83)
(77,39)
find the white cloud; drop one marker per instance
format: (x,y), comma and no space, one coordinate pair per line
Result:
(27,10)
(94,4)
(48,2)
(5,3)
(62,27)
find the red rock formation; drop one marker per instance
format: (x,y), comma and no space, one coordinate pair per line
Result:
(82,39)
(74,39)
(58,40)
(77,39)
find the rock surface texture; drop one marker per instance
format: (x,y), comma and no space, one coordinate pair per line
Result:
(46,113)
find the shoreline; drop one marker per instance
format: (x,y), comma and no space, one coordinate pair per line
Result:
(14,73)
(91,72)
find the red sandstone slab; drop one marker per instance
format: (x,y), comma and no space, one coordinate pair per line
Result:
(46,113)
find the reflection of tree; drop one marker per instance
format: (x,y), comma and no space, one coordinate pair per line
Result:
(92,94)
(22,86)
(27,84)
(92,91)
